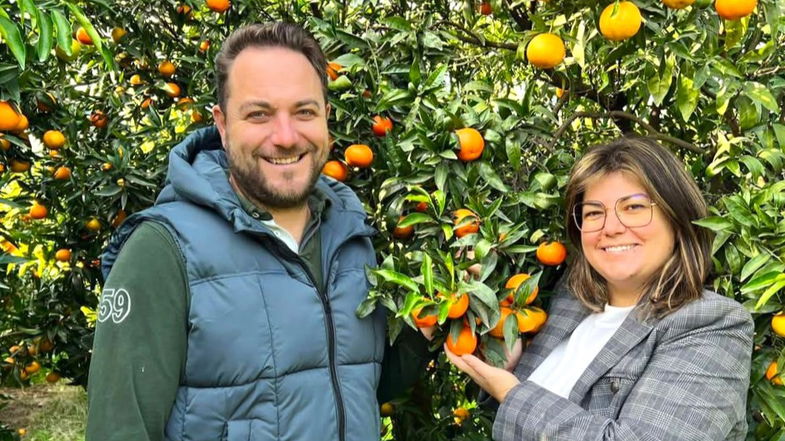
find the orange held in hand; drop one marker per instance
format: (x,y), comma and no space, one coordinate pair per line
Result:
(551,253)
(423,322)
(546,51)
(466,342)
(514,282)
(469,228)
(359,155)
(622,21)
(734,9)
(471,144)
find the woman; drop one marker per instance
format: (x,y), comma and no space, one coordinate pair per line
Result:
(634,348)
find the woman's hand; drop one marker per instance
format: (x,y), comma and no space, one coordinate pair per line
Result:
(497,382)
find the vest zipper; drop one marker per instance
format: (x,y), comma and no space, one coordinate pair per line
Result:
(329,320)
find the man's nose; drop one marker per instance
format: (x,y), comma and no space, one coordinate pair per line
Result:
(284,132)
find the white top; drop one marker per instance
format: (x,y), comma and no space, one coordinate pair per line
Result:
(561,369)
(282,234)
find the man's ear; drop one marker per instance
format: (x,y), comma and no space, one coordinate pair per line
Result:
(327,111)
(220,122)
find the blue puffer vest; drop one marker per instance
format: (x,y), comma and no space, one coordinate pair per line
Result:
(270,356)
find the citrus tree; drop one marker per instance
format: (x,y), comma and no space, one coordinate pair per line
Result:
(455,121)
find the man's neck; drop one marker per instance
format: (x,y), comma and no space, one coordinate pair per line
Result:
(292,219)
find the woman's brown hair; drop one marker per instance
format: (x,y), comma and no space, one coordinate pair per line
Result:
(675,193)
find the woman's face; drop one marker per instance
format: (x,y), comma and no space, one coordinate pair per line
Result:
(626,256)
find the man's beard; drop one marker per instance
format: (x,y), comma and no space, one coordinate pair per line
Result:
(253,184)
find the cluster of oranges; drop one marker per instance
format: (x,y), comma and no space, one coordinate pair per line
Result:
(356,155)
(620,21)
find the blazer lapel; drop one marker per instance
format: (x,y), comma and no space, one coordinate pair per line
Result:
(630,333)
(566,312)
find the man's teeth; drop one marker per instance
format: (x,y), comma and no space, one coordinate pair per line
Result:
(619,249)
(284,161)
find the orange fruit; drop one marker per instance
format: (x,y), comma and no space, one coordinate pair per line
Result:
(63,255)
(778,324)
(204,45)
(5,145)
(52,377)
(734,9)
(677,4)
(167,68)
(421,207)
(367,94)
(622,22)
(458,216)
(23,124)
(381,125)
(219,6)
(358,155)
(9,119)
(135,80)
(531,319)
(183,9)
(466,342)
(38,211)
(146,103)
(46,102)
(118,34)
(514,282)
(119,218)
(461,413)
(33,367)
(387,409)
(471,144)
(185,103)
(546,51)
(332,70)
(172,89)
(62,173)
(423,322)
(772,374)
(403,232)
(83,37)
(106,166)
(46,345)
(336,170)
(551,253)
(54,139)
(93,224)
(99,119)
(21,431)
(458,305)
(197,117)
(18,166)
(560,92)
(485,8)
(2,167)
(498,330)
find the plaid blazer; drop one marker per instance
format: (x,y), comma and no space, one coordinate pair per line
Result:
(683,377)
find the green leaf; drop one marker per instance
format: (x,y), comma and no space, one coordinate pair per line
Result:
(45,37)
(426,269)
(110,190)
(762,281)
(686,97)
(773,289)
(414,219)
(13,38)
(660,84)
(398,279)
(63,28)
(6,259)
(490,176)
(753,264)
(760,94)
(366,308)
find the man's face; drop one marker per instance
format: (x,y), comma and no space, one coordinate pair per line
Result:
(274,126)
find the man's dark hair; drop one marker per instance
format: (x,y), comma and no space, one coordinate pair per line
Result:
(278,34)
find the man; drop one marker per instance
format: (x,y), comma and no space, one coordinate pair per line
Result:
(229,309)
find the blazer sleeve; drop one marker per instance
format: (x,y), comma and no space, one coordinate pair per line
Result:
(693,388)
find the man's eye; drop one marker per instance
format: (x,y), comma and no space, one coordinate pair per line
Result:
(307,112)
(257,115)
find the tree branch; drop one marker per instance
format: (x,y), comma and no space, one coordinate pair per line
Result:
(474,39)
(628,116)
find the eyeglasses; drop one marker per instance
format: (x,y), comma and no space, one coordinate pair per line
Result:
(633,211)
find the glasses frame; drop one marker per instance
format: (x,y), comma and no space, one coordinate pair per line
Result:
(615,211)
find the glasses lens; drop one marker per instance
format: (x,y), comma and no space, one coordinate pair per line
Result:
(634,211)
(589,216)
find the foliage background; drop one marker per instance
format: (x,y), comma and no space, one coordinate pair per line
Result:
(711,90)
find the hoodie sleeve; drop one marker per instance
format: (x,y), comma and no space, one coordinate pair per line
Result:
(140,340)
